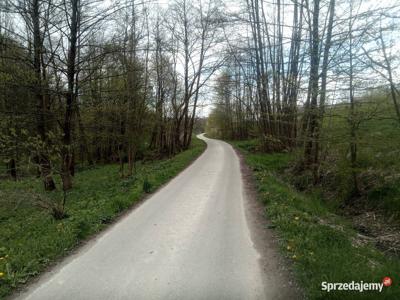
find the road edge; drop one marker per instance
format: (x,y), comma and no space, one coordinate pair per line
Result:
(266,240)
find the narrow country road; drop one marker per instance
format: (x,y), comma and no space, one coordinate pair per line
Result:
(190,240)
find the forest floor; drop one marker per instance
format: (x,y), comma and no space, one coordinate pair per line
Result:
(323,243)
(31,240)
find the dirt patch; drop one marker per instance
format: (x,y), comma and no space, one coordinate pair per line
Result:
(375,227)
(276,268)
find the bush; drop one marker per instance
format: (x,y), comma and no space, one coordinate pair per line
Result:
(147,185)
(82,229)
(118,205)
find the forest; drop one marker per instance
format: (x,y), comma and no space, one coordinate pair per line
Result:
(319,80)
(97,98)
(86,82)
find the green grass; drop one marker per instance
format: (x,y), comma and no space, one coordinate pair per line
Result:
(322,245)
(30,239)
(378,144)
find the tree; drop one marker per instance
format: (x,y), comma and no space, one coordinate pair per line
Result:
(383,65)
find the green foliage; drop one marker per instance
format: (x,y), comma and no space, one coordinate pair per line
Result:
(82,229)
(232,116)
(30,238)
(321,245)
(378,149)
(146,185)
(16,102)
(386,196)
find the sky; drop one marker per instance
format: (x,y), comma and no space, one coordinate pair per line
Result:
(238,30)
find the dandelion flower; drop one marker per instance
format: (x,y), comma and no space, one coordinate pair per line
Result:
(1,258)
(1,274)
(296,218)
(288,247)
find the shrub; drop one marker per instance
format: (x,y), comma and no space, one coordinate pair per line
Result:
(147,185)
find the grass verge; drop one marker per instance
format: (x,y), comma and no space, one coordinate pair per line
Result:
(322,245)
(30,239)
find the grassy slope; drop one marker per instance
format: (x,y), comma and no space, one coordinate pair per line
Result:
(378,139)
(30,239)
(321,244)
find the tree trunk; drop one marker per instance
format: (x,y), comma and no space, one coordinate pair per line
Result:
(352,116)
(12,169)
(42,107)
(70,98)
(310,152)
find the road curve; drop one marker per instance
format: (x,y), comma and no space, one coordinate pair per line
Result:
(190,240)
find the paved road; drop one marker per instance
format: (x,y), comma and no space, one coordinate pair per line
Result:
(190,240)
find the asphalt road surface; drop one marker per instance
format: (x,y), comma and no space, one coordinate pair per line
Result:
(190,240)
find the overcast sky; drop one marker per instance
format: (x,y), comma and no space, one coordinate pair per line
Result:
(236,31)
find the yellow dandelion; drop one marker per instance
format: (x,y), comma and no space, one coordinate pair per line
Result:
(1,258)
(288,247)
(296,218)
(1,274)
